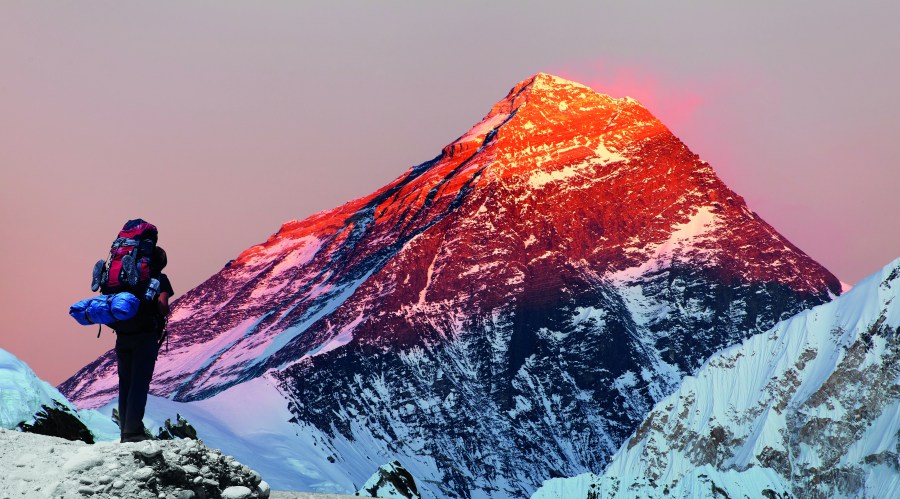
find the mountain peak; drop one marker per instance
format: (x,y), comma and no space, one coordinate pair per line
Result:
(566,243)
(551,90)
(546,111)
(545,82)
(556,88)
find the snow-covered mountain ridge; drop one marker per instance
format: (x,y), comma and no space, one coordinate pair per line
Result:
(497,314)
(810,408)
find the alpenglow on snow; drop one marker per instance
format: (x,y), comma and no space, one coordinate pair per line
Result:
(506,312)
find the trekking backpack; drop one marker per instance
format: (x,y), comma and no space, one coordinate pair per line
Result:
(127,269)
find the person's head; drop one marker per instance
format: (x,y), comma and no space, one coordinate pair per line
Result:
(158,261)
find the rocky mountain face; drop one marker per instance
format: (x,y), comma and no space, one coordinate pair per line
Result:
(507,312)
(810,408)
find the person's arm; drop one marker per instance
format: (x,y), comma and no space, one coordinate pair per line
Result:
(163,303)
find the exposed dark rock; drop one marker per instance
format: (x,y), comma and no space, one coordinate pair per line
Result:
(58,421)
(181,429)
(188,467)
(391,480)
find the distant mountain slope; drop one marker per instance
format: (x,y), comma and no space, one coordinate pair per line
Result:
(808,409)
(497,314)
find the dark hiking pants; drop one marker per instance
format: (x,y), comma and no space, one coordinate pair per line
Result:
(136,354)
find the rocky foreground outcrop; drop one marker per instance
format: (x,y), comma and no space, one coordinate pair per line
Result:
(38,466)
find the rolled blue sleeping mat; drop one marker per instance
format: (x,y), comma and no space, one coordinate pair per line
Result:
(78,311)
(105,309)
(124,306)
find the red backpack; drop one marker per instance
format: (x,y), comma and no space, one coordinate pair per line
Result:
(128,266)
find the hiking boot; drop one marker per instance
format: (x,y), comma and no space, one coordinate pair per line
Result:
(134,437)
(97,275)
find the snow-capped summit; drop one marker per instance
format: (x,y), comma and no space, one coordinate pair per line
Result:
(507,311)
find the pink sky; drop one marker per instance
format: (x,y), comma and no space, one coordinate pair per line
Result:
(220,121)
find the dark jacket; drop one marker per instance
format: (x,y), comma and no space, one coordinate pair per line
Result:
(148,318)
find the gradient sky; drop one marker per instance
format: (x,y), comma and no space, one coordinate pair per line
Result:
(218,121)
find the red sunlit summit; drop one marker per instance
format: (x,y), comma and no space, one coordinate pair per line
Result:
(542,282)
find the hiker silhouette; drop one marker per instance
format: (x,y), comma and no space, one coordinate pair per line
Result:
(137,350)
